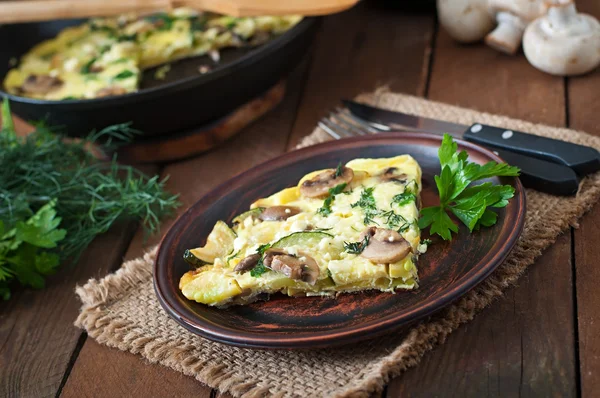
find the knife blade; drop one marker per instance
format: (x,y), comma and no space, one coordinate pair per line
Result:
(582,159)
(537,174)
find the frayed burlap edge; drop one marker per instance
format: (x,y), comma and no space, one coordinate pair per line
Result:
(107,328)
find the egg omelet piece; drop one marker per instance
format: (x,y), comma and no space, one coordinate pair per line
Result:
(339,230)
(106,56)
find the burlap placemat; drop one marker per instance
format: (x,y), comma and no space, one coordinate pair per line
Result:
(121,310)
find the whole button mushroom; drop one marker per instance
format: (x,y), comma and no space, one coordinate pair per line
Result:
(563,42)
(385,246)
(466,21)
(319,185)
(512,16)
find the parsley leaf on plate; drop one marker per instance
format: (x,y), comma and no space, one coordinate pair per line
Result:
(469,203)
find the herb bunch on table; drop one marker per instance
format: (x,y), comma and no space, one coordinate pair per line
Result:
(56,197)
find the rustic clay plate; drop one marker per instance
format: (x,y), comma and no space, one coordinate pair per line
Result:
(447,271)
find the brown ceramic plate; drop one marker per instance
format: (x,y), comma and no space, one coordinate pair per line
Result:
(447,271)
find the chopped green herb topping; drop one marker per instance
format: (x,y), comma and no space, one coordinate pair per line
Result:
(426,242)
(124,75)
(338,170)
(130,37)
(368,205)
(393,220)
(260,267)
(325,210)
(357,247)
(161,21)
(88,65)
(404,198)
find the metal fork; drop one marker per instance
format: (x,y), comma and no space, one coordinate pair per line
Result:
(342,123)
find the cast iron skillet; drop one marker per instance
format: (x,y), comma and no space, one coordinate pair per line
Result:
(184,99)
(447,271)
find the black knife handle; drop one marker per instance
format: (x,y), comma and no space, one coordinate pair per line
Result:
(584,160)
(541,175)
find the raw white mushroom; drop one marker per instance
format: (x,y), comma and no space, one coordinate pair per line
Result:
(466,21)
(512,17)
(563,42)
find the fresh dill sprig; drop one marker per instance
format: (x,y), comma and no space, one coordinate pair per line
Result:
(368,205)
(392,219)
(357,247)
(89,195)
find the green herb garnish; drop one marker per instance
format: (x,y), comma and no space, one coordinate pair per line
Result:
(338,170)
(392,219)
(260,267)
(56,197)
(124,75)
(325,210)
(88,66)
(368,205)
(124,37)
(471,205)
(404,198)
(426,242)
(161,21)
(356,247)
(102,28)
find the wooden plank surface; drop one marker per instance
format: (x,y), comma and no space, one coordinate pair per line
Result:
(358,51)
(37,336)
(524,343)
(584,111)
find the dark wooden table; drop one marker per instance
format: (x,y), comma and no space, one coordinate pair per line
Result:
(541,339)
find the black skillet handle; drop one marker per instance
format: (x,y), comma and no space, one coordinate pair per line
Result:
(584,160)
(542,176)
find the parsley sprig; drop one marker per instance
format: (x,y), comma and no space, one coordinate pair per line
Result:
(470,204)
(260,267)
(325,210)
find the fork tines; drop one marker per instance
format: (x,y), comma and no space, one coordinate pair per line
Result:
(342,123)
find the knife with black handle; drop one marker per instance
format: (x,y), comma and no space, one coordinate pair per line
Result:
(551,169)
(582,159)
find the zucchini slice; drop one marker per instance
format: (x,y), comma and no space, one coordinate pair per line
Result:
(302,238)
(218,244)
(250,213)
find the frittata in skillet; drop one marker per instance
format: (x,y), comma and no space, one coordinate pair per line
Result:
(104,56)
(339,230)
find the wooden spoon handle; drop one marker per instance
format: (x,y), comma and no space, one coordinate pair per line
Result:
(46,10)
(248,8)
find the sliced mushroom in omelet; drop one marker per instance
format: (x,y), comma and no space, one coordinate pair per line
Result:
(106,56)
(346,229)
